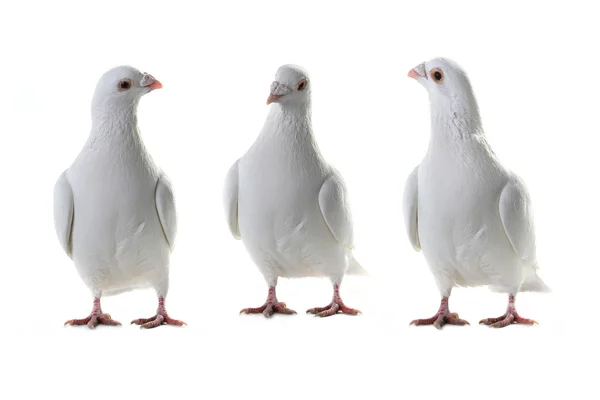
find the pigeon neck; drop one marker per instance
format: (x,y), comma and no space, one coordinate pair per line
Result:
(456,118)
(292,120)
(456,131)
(115,121)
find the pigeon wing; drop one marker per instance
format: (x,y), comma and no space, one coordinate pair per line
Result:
(335,208)
(165,207)
(230,200)
(63,212)
(410,210)
(517,219)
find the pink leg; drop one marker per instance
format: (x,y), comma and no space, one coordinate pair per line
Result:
(442,317)
(271,306)
(95,318)
(336,305)
(510,317)
(161,318)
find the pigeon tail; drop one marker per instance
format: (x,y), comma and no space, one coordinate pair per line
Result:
(533,283)
(356,269)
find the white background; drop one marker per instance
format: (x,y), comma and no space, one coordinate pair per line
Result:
(535,71)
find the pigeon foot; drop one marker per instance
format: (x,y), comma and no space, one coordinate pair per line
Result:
(271,306)
(441,318)
(96,317)
(161,318)
(510,317)
(336,306)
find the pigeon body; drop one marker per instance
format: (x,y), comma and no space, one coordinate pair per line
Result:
(471,217)
(284,201)
(114,209)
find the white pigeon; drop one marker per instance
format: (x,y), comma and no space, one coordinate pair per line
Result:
(287,205)
(114,211)
(471,217)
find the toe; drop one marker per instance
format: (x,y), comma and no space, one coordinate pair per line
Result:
(268,312)
(457,321)
(349,311)
(317,310)
(171,321)
(439,322)
(93,323)
(426,321)
(505,322)
(330,311)
(525,321)
(83,321)
(154,323)
(489,321)
(257,310)
(107,320)
(281,309)
(141,321)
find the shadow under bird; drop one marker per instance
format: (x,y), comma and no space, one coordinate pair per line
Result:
(471,217)
(114,210)
(287,205)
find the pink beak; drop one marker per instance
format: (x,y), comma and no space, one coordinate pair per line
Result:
(273,97)
(413,74)
(154,85)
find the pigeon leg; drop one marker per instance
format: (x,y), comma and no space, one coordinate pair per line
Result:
(161,318)
(96,317)
(336,305)
(270,307)
(510,317)
(442,317)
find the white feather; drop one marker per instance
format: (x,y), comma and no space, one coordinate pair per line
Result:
(290,207)
(230,200)
(63,212)
(410,207)
(122,208)
(475,225)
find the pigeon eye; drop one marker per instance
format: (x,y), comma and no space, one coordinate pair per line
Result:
(301,85)
(437,75)
(125,84)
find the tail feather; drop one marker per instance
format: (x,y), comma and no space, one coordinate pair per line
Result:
(356,269)
(534,283)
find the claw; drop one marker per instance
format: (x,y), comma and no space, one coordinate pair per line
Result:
(271,306)
(95,318)
(510,317)
(441,318)
(336,305)
(161,318)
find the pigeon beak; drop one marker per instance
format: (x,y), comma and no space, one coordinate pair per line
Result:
(148,81)
(277,91)
(273,98)
(154,85)
(418,72)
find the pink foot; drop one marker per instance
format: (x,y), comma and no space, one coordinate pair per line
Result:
(442,317)
(271,306)
(336,305)
(510,317)
(161,318)
(96,317)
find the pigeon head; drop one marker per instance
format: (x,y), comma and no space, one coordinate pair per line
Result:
(448,86)
(291,86)
(122,87)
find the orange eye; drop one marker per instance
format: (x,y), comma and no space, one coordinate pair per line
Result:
(125,84)
(437,75)
(301,85)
